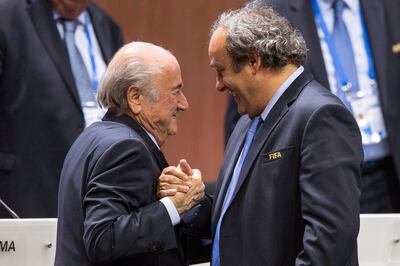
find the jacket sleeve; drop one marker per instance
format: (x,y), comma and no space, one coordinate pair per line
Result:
(330,171)
(121,216)
(197,230)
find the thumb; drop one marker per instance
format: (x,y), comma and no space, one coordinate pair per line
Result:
(197,173)
(185,167)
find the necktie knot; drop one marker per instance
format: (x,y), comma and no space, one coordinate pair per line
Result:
(70,25)
(338,7)
(255,123)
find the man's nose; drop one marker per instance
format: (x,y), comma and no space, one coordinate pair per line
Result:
(183,104)
(219,85)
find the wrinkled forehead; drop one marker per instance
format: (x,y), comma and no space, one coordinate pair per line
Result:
(217,41)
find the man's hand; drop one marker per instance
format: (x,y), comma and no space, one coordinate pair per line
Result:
(183,185)
(172,180)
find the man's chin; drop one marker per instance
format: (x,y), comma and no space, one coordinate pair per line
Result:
(173,129)
(172,133)
(241,110)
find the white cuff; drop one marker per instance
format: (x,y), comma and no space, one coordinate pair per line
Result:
(172,211)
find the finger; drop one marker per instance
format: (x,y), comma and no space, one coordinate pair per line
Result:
(197,183)
(168,169)
(175,172)
(183,189)
(199,197)
(179,188)
(173,180)
(185,167)
(166,193)
(196,173)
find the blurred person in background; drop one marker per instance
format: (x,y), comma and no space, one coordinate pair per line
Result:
(52,55)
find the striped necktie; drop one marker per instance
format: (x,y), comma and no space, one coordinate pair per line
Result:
(81,76)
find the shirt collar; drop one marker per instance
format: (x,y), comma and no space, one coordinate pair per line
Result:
(151,136)
(326,5)
(354,5)
(280,91)
(80,18)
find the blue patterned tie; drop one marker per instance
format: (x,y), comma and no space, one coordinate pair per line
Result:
(232,185)
(342,42)
(79,70)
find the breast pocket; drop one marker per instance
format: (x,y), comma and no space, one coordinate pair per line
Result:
(280,165)
(278,180)
(278,155)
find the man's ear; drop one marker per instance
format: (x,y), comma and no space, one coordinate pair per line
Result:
(134,99)
(255,63)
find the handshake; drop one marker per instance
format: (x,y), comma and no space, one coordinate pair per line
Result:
(182,184)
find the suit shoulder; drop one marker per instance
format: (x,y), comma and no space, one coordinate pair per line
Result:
(106,134)
(314,96)
(316,102)
(11,10)
(281,6)
(98,11)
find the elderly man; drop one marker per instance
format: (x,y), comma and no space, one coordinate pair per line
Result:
(289,186)
(108,210)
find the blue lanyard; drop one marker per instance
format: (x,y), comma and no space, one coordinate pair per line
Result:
(371,67)
(95,80)
(341,76)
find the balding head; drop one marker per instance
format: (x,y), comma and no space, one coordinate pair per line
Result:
(135,64)
(144,81)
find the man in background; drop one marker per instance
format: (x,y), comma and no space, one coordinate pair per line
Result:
(52,55)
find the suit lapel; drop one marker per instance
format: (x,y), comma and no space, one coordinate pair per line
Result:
(375,21)
(300,12)
(273,118)
(42,18)
(100,27)
(231,157)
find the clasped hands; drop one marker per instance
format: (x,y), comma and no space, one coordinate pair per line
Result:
(182,184)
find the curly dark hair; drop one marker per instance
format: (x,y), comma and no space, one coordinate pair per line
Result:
(256,29)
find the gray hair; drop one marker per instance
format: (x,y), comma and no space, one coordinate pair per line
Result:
(128,68)
(256,29)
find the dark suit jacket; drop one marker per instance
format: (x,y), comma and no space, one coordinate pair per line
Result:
(297,198)
(382,21)
(108,211)
(40,109)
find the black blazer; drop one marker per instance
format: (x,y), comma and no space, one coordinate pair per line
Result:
(108,210)
(297,197)
(40,110)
